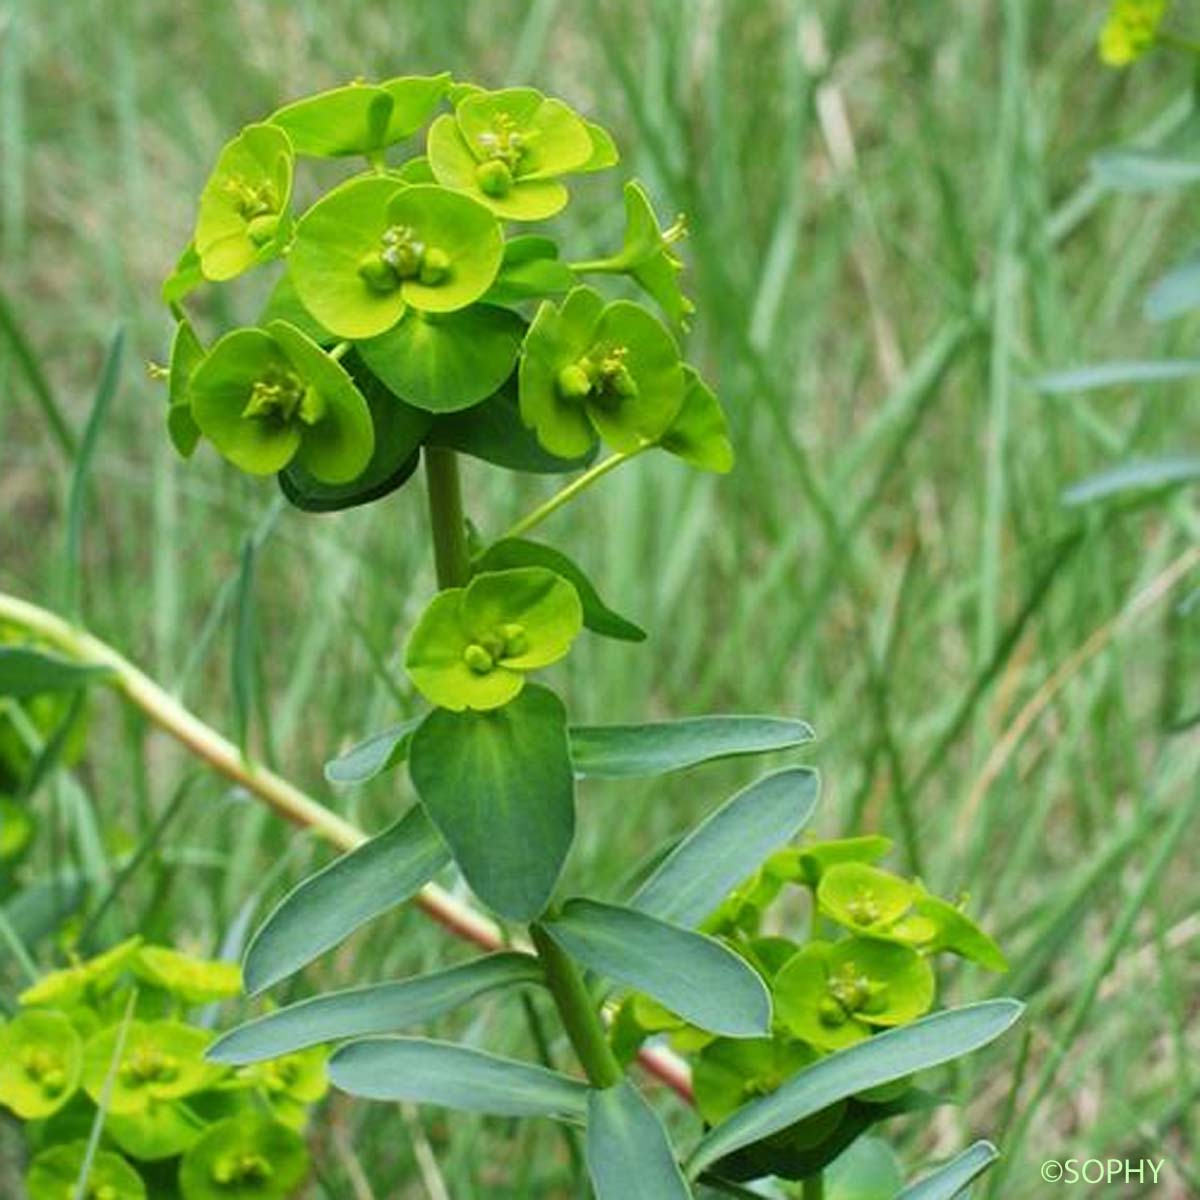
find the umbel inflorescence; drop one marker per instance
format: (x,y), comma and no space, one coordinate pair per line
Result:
(410,310)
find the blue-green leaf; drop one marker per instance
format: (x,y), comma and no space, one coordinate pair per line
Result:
(1134,170)
(429,1072)
(597,616)
(866,1170)
(377,1008)
(1143,476)
(628,1154)
(728,847)
(887,1056)
(330,905)
(1176,293)
(498,786)
(26,671)
(689,973)
(372,756)
(1115,374)
(625,751)
(948,1181)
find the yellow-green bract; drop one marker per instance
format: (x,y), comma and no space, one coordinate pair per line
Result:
(266,396)
(508,148)
(592,369)
(473,646)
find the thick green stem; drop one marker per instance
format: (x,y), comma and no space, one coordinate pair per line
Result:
(579,1015)
(813,1187)
(447,523)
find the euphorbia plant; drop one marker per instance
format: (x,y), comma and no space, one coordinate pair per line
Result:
(411,320)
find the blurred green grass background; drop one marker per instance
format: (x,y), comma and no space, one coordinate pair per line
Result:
(892,233)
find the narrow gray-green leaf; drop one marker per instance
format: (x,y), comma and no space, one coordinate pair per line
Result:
(628,1154)
(330,905)
(1117,374)
(608,751)
(711,861)
(1134,170)
(498,786)
(887,1056)
(624,751)
(1138,478)
(949,1180)
(690,973)
(377,1008)
(26,671)
(428,1072)
(372,756)
(1176,293)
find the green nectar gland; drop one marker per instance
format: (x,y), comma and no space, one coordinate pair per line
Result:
(236,1169)
(44,1068)
(479,658)
(849,991)
(281,397)
(147,1064)
(601,377)
(258,205)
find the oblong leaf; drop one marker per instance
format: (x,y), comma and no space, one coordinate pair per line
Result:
(429,1072)
(657,748)
(377,1008)
(1143,476)
(1114,374)
(26,671)
(949,1180)
(373,755)
(689,973)
(330,905)
(597,616)
(628,1153)
(929,1042)
(498,786)
(727,848)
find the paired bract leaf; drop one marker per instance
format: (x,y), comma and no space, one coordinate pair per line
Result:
(863,898)
(473,646)
(361,118)
(266,397)
(244,217)
(530,269)
(688,973)
(833,995)
(443,362)
(193,980)
(592,369)
(163,1129)
(54,1175)
(26,671)
(375,245)
(597,616)
(499,788)
(41,1062)
(68,985)
(494,432)
(247,1157)
(186,355)
(507,149)
(699,434)
(399,430)
(1130,30)
(729,1072)
(160,1060)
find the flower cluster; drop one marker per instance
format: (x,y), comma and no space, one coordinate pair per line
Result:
(111,1032)
(866,966)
